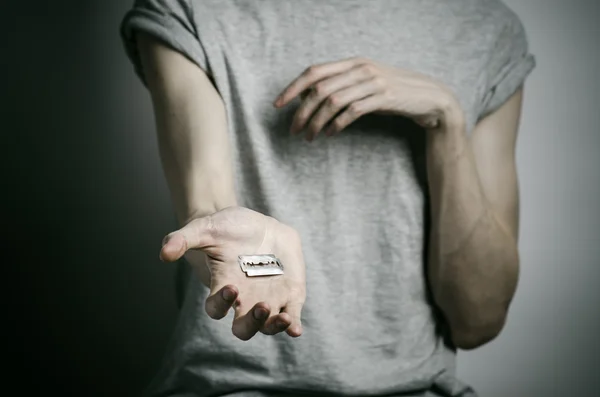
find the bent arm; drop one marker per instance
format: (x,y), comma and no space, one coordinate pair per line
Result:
(474,260)
(191,125)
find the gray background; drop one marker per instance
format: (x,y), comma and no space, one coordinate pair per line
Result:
(86,207)
(550,346)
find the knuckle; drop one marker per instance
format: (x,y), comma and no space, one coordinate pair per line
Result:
(368,68)
(311,70)
(338,124)
(387,94)
(379,82)
(355,109)
(319,89)
(333,100)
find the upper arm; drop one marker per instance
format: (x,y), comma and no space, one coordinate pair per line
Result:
(188,109)
(508,64)
(173,78)
(494,143)
(187,106)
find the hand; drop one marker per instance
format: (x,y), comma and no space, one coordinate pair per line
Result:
(337,93)
(269,304)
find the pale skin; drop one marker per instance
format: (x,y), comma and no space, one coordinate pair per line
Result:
(196,158)
(474,262)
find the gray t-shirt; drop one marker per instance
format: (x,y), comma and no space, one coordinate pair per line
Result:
(359,200)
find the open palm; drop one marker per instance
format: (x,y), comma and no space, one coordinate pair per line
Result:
(269,304)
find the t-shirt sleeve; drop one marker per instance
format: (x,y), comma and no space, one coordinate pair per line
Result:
(171,22)
(509,64)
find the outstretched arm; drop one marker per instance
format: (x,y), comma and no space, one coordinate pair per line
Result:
(192,136)
(192,131)
(196,156)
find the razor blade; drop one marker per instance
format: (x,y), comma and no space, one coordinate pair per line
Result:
(260,265)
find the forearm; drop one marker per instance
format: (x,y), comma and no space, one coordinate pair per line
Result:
(192,132)
(197,170)
(473,264)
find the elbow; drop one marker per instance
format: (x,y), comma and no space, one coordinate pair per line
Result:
(473,339)
(472,336)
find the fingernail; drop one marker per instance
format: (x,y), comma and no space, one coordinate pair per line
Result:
(228,294)
(260,314)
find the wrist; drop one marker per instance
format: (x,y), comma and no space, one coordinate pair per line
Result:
(446,145)
(448,137)
(201,208)
(452,119)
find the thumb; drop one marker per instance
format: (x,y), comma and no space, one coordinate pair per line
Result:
(195,235)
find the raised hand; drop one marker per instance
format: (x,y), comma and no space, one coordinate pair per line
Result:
(337,93)
(269,304)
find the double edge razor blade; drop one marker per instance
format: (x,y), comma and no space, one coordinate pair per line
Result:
(260,265)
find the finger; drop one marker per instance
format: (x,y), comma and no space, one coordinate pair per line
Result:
(353,112)
(276,324)
(336,102)
(311,75)
(294,310)
(218,304)
(323,91)
(247,325)
(196,234)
